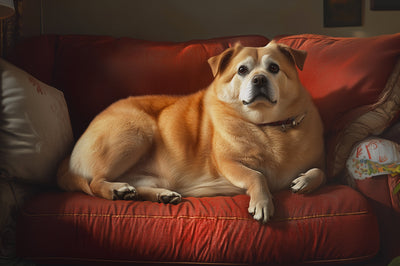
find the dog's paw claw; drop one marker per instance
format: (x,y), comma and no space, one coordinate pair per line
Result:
(171,197)
(298,185)
(125,193)
(262,211)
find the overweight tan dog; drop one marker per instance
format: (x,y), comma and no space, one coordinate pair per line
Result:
(255,129)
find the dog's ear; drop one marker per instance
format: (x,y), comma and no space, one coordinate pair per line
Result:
(298,57)
(219,62)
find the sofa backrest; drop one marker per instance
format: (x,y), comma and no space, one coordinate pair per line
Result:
(95,71)
(353,81)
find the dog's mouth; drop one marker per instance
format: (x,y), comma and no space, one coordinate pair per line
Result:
(261,96)
(258,90)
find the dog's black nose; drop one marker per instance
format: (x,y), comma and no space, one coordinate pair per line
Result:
(259,80)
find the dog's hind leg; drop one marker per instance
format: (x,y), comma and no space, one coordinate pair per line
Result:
(113,190)
(105,182)
(110,148)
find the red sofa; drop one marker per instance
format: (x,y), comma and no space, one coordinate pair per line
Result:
(349,79)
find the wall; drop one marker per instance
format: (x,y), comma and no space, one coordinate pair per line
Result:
(178,20)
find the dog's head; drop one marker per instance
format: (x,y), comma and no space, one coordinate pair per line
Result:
(262,84)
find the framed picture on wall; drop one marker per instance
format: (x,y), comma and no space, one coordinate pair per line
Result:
(385,5)
(342,13)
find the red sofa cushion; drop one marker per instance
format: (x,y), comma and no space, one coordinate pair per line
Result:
(95,71)
(347,78)
(335,224)
(345,73)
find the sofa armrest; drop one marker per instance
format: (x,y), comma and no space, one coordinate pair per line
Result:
(380,189)
(373,167)
(12,195)
(386,204)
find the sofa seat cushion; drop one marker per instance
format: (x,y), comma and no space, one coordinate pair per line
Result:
(334,224)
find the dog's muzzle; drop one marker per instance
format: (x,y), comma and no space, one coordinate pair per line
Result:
(260,90)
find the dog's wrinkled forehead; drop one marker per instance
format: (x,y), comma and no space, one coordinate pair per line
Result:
(255,55)
(253,61)
(273,51)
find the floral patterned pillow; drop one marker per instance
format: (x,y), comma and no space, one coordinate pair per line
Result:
(374,157)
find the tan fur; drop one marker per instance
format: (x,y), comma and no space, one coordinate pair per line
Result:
(210,143)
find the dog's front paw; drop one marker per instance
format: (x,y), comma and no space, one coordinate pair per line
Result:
(169,197)
(125,192)
(262,210)
(308,181)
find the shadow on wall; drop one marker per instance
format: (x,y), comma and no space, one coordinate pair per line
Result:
(178,20)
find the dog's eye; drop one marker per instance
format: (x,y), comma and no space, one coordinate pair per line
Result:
(243,70)
(273,68)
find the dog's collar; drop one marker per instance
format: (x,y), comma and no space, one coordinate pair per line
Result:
(289,123)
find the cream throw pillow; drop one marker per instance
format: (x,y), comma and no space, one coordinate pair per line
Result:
(35,129)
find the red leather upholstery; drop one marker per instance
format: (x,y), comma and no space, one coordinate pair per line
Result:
(334,224)
(379,191)
(343,74)
(95,71)
(346,78)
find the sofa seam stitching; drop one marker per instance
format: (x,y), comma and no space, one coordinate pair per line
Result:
(193,217)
